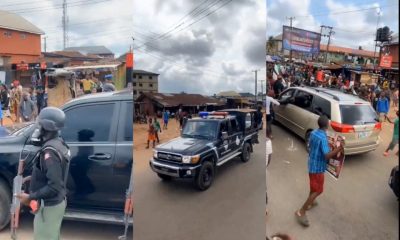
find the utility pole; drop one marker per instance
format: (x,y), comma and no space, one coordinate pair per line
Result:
(255,91)
(45,45)
(376,36)
(262,89)
(65,24)
(291,30)
(329,41)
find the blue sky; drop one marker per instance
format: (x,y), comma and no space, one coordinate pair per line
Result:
(352,23)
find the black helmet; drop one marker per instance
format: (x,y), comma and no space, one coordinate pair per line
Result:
(51,119)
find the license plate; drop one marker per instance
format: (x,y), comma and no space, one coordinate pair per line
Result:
(364,134)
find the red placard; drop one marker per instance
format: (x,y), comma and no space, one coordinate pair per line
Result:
(129,60)
(386,61)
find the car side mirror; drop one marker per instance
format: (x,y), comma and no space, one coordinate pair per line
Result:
(35,137)
(224,136)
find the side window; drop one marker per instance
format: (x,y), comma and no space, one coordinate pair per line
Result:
(303,100)
(248,121)
(234,126)
(223,128)
(126,132)
(321,106)
(286,95)
(84,124)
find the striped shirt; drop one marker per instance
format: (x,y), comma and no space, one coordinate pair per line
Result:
(319,147)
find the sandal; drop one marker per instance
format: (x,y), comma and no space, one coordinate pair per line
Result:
(314,204)
(303,220)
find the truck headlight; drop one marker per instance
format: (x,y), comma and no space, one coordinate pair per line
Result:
(186,159)
(155,153)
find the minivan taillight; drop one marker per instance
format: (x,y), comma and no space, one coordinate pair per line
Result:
(378,126)
(342,128)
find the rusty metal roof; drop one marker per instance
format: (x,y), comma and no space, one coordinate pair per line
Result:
(175,99)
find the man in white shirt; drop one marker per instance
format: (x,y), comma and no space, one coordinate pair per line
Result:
(268,112)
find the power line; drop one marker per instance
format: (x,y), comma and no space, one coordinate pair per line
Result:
(169,33)
(344,12)
(71,4)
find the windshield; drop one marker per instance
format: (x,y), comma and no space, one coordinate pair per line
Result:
(15,129)
(358,114)
(200,129)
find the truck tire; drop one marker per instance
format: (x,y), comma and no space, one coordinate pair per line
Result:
(164,177)
(205,176)
(245,157)
(5,200)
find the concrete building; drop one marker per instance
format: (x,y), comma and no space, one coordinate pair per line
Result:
(144,82)
(20,44)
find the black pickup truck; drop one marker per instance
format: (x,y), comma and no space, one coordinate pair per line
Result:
(99,132)
(206,143)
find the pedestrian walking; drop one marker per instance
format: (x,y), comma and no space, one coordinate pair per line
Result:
(269,101)
(151,137)
(5,100)
(27,108)
(278,86)
(319,154)
(165,119)
(157,128)
(395,138)
(87,85)
(395,98)
(16,95)
(108,86)
(40,99)
(1,114)
(49,175)
(382,106)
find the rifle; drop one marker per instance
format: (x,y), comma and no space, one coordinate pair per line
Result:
(17,189)
(128,210)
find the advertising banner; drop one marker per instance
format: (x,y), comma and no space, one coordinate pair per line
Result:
(335,164)
(386,62)
(300,40)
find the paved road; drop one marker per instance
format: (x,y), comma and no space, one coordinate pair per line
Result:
(70,230)
(360,205)
(233,208)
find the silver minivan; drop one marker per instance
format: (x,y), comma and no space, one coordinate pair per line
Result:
(350,116)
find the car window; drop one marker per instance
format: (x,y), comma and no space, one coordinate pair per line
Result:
(358,114)
(303,99)
(88,123)
(127,122)
(321,106)
(248,121)
(233,127)
(286,95)
(223,127)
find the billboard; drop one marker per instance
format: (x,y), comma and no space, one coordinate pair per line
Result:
(386,61)
(300,40)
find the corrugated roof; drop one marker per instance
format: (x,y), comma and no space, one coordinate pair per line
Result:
(228,94)
(90,50)
(13,21)
(175,99)
(363,53)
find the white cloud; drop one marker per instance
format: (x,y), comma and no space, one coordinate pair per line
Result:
(210,56)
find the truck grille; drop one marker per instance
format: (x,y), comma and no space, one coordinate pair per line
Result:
(169,157)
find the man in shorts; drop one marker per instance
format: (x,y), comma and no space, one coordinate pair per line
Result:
(319,155)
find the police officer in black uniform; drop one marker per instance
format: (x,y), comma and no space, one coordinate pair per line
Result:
(47,196)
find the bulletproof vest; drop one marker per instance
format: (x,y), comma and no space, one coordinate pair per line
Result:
(62,152)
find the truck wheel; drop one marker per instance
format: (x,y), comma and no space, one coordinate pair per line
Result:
(164,177)
(5,200)
(205,176)
(245,157)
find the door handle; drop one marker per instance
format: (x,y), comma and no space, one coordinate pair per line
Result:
(100,156)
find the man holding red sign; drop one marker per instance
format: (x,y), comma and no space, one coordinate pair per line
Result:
(319,155)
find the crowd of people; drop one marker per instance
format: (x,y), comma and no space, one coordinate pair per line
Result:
(19,104)
(90,84)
